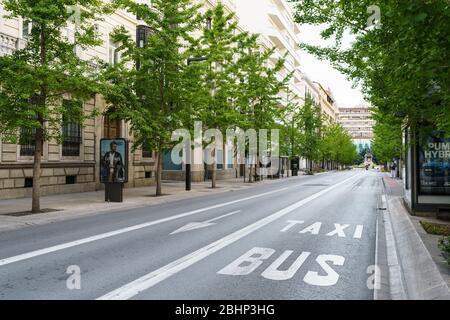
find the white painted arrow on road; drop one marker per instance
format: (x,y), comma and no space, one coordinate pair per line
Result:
(198,225)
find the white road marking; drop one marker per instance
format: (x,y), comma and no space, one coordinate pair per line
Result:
(147,281)
(313,278)
(197,225)
(358,232)
(339,230)
(248,262)
(71,244)
(272,272)
(291,223)
(313,229)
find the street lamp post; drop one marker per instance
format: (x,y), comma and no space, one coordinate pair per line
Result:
(188,148)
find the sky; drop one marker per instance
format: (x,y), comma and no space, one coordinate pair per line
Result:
(323,72)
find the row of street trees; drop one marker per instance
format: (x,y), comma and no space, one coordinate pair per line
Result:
(310,134)
(44,86)
(400,57)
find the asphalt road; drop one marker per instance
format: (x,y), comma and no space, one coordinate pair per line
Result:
(309,237)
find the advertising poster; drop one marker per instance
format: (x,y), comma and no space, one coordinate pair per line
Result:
(434,167)
(113,161)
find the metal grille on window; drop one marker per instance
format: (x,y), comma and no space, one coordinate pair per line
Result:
(27,141)
(146,152)
(71,140)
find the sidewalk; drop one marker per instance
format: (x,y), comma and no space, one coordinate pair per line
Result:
(424,271)
(74,205)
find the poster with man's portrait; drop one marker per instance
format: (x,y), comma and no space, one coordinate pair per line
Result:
(113,161)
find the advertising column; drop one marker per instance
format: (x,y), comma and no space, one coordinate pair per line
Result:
(114,167)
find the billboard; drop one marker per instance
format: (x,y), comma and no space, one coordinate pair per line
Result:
(113,160)
(434,166)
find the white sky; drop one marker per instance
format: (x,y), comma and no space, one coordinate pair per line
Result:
(323,72)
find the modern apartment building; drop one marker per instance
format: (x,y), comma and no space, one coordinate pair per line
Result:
(359,123)
(274,21)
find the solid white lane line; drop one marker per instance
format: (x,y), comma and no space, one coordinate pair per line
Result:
(71,244)
(223,216)
(133,288)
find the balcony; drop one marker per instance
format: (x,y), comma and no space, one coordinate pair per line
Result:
(8,44)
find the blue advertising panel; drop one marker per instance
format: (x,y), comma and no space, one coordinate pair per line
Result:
(113,161)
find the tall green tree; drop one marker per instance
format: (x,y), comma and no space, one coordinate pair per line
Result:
(400,58)
(309,123)
(152,95)
(387,141)
(34,80)
(258,91)
(219,44)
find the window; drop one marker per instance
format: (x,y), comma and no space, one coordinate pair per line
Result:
(147,152)
(230,159)
(71,179)
(28,183)
(26,29)
(219,159)
(71,134)
(114,56)
(27,141)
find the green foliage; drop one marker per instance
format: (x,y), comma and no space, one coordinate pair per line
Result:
(444,245)
(337,145)
(33,80)
(219,44)
(403,65)
(387,142)
(152,97)
(309,123)
(436,228)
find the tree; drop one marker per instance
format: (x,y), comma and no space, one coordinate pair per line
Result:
(152,96)
(219,43)
(258,87)
(34,80)
(387,142)
(402,61)
(309,124)
(337,145)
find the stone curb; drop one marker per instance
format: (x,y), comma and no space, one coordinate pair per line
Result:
(413,275)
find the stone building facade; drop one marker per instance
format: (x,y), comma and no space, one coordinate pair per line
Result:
(74,166)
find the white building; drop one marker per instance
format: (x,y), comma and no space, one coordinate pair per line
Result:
(359,123)
(274,21)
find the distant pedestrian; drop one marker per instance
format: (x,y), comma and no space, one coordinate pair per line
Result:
(393,170)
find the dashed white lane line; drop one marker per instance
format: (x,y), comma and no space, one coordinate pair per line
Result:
(71,244)
(147,281)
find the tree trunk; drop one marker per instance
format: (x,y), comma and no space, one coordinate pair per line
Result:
(213,175)
(36,201)
(159,168)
